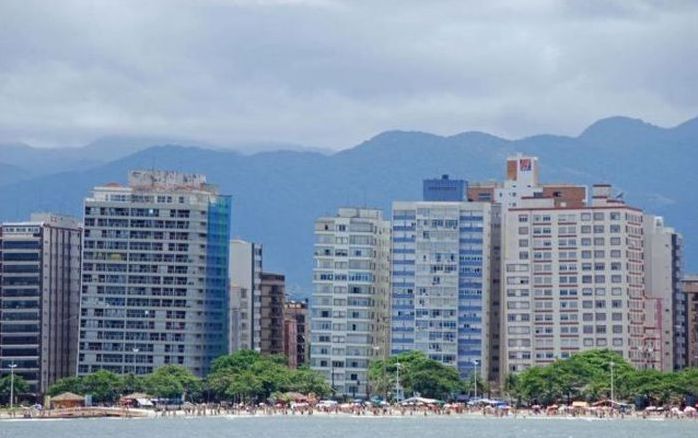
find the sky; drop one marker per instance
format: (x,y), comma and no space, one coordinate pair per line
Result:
(331,73)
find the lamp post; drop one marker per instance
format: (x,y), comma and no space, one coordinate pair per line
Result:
(612,387)
(398,387)
(12,367)
(475,362)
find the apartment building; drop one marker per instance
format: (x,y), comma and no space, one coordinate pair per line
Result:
(690,288)
(154,274)
(39,298)
(245,269)
(273,288)
(296,332)
(664,342)
(351,279)
(572,273)
(441,277)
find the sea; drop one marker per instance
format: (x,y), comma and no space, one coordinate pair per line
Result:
(319,426)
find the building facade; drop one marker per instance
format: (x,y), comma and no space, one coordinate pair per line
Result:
(154,274)
(296,332)
(39,298)
(273,289)
(245,330)
(665,302)
(441,279)
(350,298)
(689,286)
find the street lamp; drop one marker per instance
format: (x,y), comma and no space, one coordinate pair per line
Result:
(12,367)
(398,387)
(612,387)
(475,362)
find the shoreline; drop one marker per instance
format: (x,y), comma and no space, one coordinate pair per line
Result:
(416,416)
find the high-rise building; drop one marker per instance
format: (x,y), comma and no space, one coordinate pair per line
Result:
(690,288)
(273,288)
(664,342)
(350,298)
(39,298)
(296,331)
(245,295)
(572,272)
(441,280)
(154,274)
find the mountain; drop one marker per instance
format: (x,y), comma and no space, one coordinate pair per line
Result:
(10,173)
(277,195)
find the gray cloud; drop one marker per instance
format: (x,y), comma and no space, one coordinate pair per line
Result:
(332,73)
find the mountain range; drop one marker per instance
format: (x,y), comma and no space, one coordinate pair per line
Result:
(278,194)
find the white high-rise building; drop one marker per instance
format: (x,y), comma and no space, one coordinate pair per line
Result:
(154,274)
(441,280)
(350,300)
(245,295)
(572,276)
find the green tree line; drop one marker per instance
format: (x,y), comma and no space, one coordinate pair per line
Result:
(586,376)
(420,375)
(243,376)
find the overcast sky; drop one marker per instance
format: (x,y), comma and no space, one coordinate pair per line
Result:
(330,74)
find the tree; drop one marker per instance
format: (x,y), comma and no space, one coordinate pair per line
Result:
(66,384)
(20,386)
(172,381)
(104,386)
(248,375)
(585,375)
(418,374)
(133,383)
(307,381)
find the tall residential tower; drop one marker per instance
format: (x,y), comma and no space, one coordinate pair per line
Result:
(350,299)
(39,298)
(441,261)
(155,274)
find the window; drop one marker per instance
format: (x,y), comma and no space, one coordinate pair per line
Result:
(598,216)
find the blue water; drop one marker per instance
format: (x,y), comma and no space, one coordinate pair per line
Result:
(336,427)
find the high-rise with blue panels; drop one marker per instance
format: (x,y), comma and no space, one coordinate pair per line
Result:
(441,281)
(154,274)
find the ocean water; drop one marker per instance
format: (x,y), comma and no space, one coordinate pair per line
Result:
(330,427)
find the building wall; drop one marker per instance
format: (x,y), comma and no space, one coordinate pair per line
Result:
(155,275)
(296,332)
(689,285)
(245,282)
(39,298)
(665,304)
(572,280)
(440,297)
(273,290)
(350,298)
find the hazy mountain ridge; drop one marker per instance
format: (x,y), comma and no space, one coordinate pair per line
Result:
(277,195)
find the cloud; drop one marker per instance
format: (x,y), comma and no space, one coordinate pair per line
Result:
(332,73)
